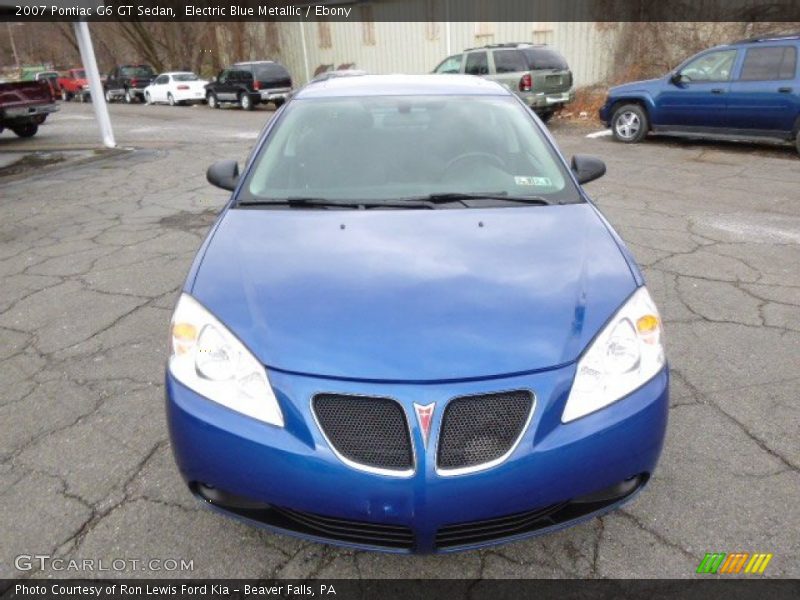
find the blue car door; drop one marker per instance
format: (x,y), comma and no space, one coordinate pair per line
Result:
(765,97)
(696,95)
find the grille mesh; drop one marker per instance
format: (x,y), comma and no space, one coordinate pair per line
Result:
(480,429)
(369,431)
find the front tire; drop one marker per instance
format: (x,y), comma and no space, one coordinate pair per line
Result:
(128,97)
(26,131)
(65,97)
(630,124)
(109,97)
(246,102)
(147,99)
(546,116)
(211,98)
(171,99)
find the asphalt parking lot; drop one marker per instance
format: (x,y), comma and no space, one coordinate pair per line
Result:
(92,256)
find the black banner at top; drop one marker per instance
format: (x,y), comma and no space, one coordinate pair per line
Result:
(403,10)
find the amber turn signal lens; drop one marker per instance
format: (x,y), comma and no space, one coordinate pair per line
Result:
(647,324)
(185,332)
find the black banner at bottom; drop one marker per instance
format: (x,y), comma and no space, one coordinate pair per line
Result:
(396,589)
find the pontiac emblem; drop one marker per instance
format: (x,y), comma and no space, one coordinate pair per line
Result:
(424,417)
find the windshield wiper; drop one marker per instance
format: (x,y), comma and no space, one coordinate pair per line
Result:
(302,201)
(461,196)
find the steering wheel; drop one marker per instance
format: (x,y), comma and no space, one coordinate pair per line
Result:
(473,155)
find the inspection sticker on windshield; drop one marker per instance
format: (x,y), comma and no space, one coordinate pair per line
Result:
(538,181)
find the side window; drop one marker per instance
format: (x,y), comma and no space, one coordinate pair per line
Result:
(765,64)
(450,65)
(477,64)
(162,79)
(509,61)
(244,76)
(714,66)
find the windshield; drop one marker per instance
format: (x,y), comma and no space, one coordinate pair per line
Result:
(79,74)
(137,71)
(184,77)
(399,147)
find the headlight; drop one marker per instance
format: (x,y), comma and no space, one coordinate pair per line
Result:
(625,355)
(207,358)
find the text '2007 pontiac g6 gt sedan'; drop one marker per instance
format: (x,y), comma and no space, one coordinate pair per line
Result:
(410,330)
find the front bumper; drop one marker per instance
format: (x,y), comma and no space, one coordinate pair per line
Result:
(294,469)
(543,101)
(605,112)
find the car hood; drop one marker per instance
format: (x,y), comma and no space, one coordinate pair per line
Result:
(634,86)
(391,295)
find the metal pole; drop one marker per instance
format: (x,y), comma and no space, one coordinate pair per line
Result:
(95,85)
(305,50)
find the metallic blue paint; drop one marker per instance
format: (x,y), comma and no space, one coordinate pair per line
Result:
(419,306)
(294,467)
(404,296)
(770,107)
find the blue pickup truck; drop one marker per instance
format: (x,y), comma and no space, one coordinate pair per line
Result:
(748,90)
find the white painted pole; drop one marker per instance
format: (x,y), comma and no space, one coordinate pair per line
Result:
(447,27)
(95,85)
(305,50)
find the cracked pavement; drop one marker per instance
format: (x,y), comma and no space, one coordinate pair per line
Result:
(92,257)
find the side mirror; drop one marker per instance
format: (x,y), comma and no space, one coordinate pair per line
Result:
(675,78)
(224,174)
(587,168)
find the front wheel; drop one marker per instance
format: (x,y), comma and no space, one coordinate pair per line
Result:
(211,98)
(245,101)
(109,97)
(26,131)
(630,124)
(65,97)
(171,99)
(147,99)
(128,97)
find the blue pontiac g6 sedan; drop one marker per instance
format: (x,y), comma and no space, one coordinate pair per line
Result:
(410,330)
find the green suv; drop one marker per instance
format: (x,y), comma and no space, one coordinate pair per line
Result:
(535,72)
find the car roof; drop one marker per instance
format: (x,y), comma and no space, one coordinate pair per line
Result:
(506,45)
(253,62)
(402,85)
(177,73)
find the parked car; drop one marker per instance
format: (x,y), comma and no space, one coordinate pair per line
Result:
(413,351)
(128,82)
(746,90)
(24,105)
(74,84)
(334,73)
(180,87)
(248,84)
(537,73)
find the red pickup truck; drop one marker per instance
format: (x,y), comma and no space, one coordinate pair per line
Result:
(24,105)
(73,84)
